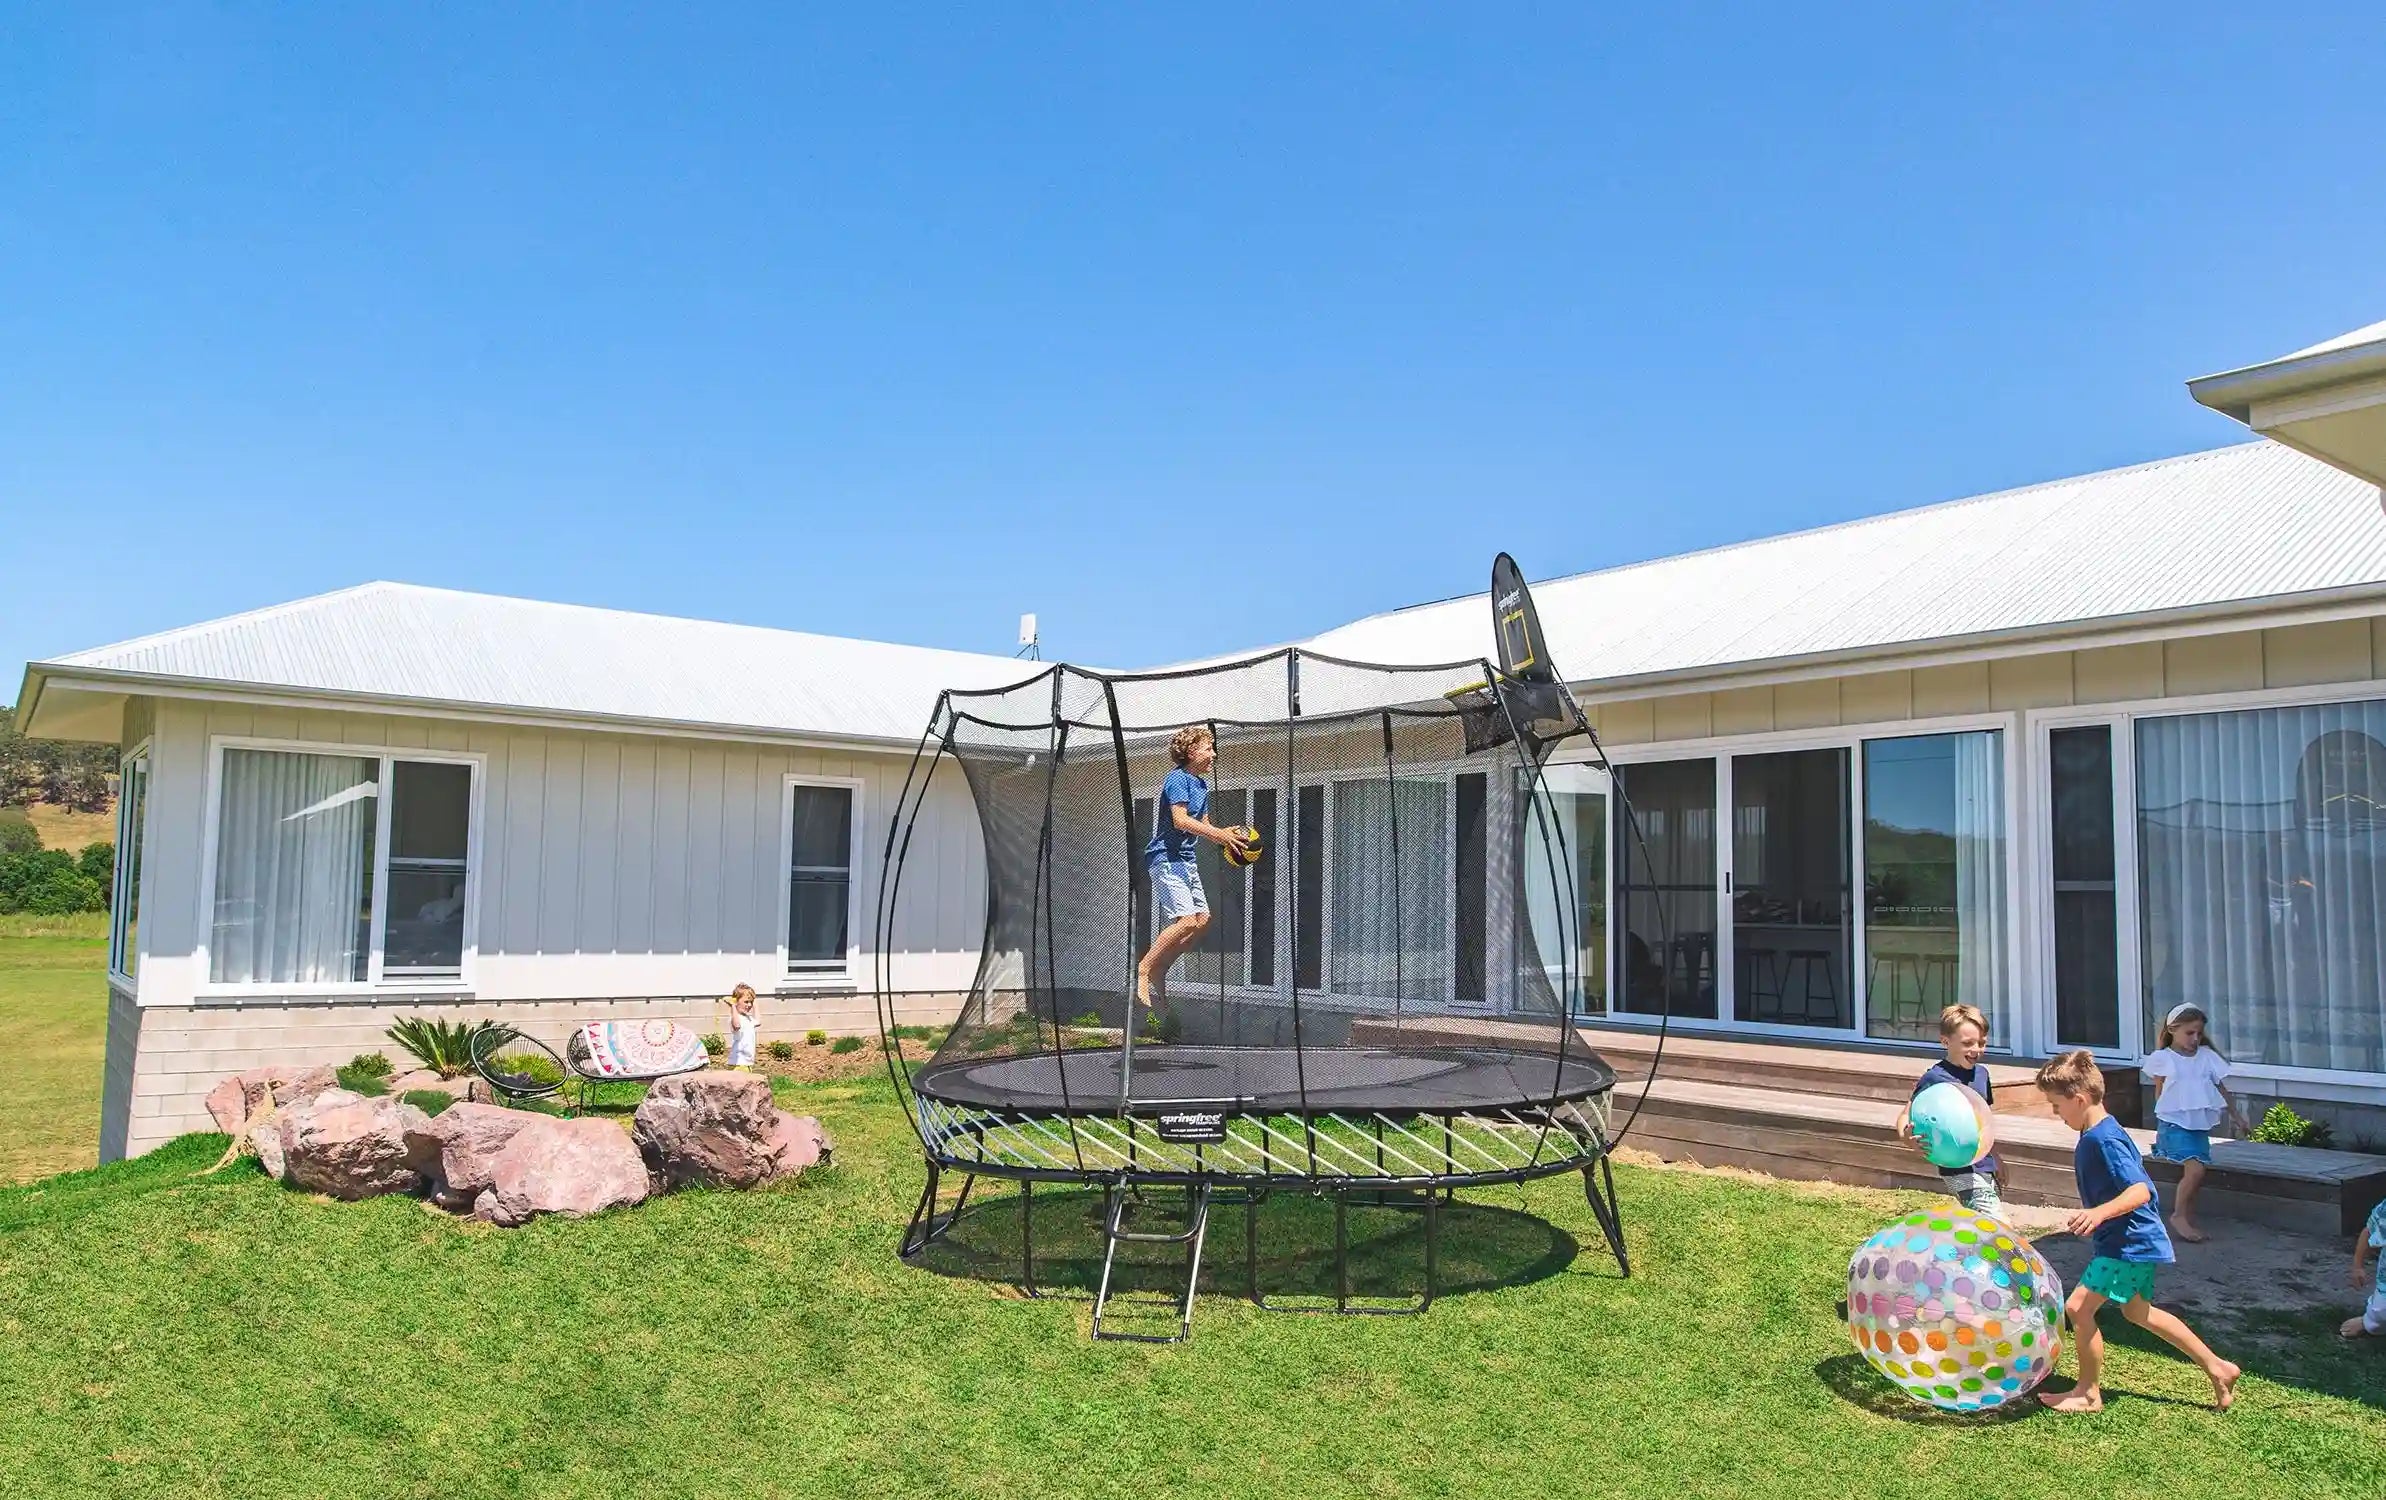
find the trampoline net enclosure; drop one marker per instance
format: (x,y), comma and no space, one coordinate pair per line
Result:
(1380,975)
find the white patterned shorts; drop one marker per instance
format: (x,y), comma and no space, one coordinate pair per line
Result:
(1176,886)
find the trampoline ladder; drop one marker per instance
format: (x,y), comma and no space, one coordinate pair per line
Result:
(1115,1233)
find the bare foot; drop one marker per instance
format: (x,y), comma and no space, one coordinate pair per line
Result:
(2224,1385)
(2353,1328)
(2080,1398)
(2186,1230)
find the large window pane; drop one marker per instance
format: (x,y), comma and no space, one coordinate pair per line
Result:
(1309,885)
(1934,881)
(293,869)
(2087,958)
(1263,890)
(1392,890)
(1565,844)
(1218,957)
(124,926)
(430,832)
(2262,879)
(1666,887)
(820,837)
(1792,916)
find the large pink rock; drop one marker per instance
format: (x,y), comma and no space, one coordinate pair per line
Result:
(348,1147)
(464,1140)
(553,1166)
(239,1098)
(797,1142)
(714,1128)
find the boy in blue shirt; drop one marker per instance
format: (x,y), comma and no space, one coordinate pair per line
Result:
(2125,1229)
(1179,820)
(1963,1035)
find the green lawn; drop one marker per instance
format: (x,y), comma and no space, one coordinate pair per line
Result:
(162,1334)
(53,1032)
(167,1334)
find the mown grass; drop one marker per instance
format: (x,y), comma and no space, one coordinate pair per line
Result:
(53,1039)
(168,1334)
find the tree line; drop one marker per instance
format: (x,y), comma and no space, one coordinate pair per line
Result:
(80,777)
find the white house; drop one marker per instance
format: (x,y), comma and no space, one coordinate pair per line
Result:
(2073,752)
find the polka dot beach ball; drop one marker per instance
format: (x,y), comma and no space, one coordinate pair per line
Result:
(1957,1309)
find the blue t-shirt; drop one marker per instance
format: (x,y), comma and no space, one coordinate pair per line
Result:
(1170,842)
(2106,1161)
(1975,1079)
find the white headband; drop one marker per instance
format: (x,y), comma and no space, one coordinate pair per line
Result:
(2179,1010)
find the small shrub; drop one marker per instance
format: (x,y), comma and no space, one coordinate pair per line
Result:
(2281,1126)
(371,1085)
(429,1101)
(370,1065)
(18,835)
(780,1049)
(97,863)
(1090,1019)
(816,1038)
(528,1064)
(846,1044)
(445,1047)
(713,1045)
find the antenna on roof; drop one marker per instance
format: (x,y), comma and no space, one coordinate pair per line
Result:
(1028,646)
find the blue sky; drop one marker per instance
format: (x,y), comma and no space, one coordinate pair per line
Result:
(1189,332)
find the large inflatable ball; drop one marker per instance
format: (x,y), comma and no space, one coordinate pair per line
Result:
(1955,1308)
(1953,1124)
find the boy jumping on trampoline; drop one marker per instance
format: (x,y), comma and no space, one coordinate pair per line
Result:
(1179,819)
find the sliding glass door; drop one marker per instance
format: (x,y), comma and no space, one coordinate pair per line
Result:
(2083,855)
(1791,912)
(1665,891)
(1934,882)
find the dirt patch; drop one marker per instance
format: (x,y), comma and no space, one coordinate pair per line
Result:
(824,1064)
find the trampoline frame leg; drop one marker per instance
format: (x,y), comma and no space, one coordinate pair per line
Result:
(1604,1207)
(927,1226)
(1431,1207)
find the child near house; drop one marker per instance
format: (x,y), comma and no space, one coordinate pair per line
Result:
(1963,1036)
(2191,1096)
(1179,822)
(742,1022)
(2370,1322)
(2124,1224)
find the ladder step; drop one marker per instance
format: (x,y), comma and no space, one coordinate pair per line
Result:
(1197,1222)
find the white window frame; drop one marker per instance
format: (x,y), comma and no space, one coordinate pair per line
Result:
(2022,1000)
(123,944)
(2328,1083)
(375,982)
(800,974)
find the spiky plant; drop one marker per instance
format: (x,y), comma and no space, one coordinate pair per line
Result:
(445,1047)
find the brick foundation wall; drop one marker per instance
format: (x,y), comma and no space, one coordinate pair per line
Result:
(162,1060)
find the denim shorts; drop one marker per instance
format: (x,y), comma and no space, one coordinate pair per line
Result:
(1176,888)
(2178,1143)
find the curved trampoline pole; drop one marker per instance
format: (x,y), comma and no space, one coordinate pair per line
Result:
(890,881)
(1532,753)
(1126,811)
(1043,904)
(1399,948)
(1292,823)
(1640,842)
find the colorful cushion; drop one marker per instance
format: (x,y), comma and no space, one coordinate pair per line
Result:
(635,1049)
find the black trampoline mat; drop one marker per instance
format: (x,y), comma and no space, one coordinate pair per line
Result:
(1270,1080)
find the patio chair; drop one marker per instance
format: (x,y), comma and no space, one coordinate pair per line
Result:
(631,1052)
(510,1085)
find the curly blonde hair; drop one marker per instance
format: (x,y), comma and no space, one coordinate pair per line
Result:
(1180,745)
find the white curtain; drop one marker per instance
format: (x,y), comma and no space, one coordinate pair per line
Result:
(2262,879)
(1569,936)
(1389,928)
(1980,875)
(293,868)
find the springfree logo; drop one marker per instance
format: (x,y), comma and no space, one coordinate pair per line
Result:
(1192,1125)
(1508,599)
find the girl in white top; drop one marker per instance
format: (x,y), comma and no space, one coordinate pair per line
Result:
(741,1026)
(2191,1097)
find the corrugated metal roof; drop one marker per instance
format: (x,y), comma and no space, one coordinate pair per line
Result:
(2368,334)
(439,646)
(2253,522)
(2258,522)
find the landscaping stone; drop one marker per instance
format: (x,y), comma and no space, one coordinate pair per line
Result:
(464,1139)
(715,1128)
(240,1097)
(348,1147)
(551,1166)
(797,1142)
(419,1078)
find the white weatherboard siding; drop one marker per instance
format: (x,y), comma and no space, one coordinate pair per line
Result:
(611,865)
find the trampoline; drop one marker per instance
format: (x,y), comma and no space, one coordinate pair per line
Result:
(1379,1010)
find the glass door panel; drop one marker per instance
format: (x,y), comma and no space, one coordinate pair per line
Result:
(2087,916)
(1665,893)
(1565,843)
(1934,881)
(1792,912)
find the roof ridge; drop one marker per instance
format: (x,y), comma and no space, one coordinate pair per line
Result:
(1849,524)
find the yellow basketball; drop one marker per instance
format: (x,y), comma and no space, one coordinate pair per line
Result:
(1245,850)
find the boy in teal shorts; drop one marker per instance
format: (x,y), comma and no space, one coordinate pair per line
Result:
(2125,1229)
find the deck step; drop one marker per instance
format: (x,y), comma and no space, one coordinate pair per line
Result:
(1830,1138)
